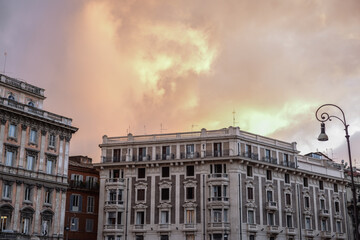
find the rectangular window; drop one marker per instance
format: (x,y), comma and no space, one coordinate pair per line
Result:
(49,166)
(190,172)
(338,226)
(165,152)
(165,194)
(217,149)
(27,194)
(74,226)
(321,185)
(47,198)
(164,237)
(217,213)
(142,154)
(10,155)
(307,223)
(251,217)
(267,154)
(141,194)
(75,203)
(12,131)
(287,178)
(250,195)
(306,182)
(89,225)
(140,218)
(249,171)
(288,199)
(337,207)
(271,221)
(289,221)
(33,136)
(268,175)
(52,140)
(25,225)
(111,218)
(248,150)
(190,150)
(164,217)
(190,193)
(90,204)
(322,204)
(165,172)
(286,159)
(323,225)
(6,191)
(30,161)
(190,216)
(269,196)
(141,172)
(307,202)
(335,187)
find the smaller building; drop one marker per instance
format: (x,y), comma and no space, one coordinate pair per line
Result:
(82,199)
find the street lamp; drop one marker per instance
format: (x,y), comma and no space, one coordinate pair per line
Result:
(323,117)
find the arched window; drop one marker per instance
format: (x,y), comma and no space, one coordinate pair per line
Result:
(26,220)
(46,220)
(11,96)
(5,216)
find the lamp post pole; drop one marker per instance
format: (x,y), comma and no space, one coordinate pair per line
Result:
(323,117)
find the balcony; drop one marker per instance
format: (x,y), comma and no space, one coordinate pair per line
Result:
(164,227)
(114,202)
(219,226)
(270,160)
(218,176)
(115,182)
(253,156)
(309,233)
(119,228)
(340,236)
(113,159)
(139,228)
(324,213)
(189,227)
(291,231)
(219,153)
(271,206)
(84,185)
(218,199)
(252,227)
(273,229)
(325,234)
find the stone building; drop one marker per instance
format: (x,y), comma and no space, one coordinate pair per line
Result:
(82,199)
(217,185)
(34,151)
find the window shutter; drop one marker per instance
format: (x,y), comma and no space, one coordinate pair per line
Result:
(71,201)
(80,203)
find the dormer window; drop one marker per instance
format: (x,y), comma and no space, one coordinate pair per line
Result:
(31,103)
(11,97)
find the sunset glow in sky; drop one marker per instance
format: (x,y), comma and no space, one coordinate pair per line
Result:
(119,66)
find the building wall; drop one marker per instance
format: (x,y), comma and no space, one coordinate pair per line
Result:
(221,160)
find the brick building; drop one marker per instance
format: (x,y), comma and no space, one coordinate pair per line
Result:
(217,185)
(34,150)
(82,199)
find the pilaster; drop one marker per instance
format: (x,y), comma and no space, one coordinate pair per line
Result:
(57,210)
(66,160)
(62,211)
(61,153)
(2,136)
(22,145)
(37,209)
(17,206)
(42,151)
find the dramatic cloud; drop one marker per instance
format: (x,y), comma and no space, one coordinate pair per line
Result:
(120,66)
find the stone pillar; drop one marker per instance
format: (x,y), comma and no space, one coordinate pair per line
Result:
(102,199)
(57,210)
(37,209)
(152,201)
(177,199)
(22,145)
(2,136)
(66,159)
(177,151)
(42,151)
(61,152)
(279,191)
(153,157)
(62,211)
(17,206)
(261,211)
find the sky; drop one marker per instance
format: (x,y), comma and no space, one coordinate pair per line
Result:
(158,66)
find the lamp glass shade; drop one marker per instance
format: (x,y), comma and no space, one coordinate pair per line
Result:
(323,136)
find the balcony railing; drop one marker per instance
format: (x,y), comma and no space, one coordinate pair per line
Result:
(189,226)
(164,226)
(270,160)
(218,175)
(290,231)
(114,226)
(309,232)
(252,227)
(139,226)
(271,206)
(324,213)
(325,234)
(113,159)
(115,180)
(253,156)
(114,202)
(218,199)
(273,229)
(84,185)
(219,225)
(340,236)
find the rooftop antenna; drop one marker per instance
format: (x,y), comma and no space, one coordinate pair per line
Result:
(161,128)
(192,127)
(5,54)
(128,130)
(234,118)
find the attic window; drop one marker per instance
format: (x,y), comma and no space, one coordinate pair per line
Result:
(11,97)
(31,103)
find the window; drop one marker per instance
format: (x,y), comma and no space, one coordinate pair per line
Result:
(269,196)
(271,221)
(74,224)
(288,199)
(250,193)
(31,103)
(190,237)
(30,162)
(111,218)
(307,202)
(248,150)
(140,195)
(190,193)
(338,226)
(323,225)
(307,223)
(335,187)
(25,223)
(190,172)
(90,204)
(286,159)
(165,194)
(33,136)
(164,237)
(139,237)
(321,185)
(289,221)
(75,203)
(268,175)
(217,170)
(251,217)
(140,217)
(142,154)
(322,204)
(6,191)
(337,207)
(10,157)
(217,215)
(45,227)
(164,217)
(217,149)
(249,171)
(12,131)
(27,194)
(267,154)
(47,198)
(11,97)
(52,141)
(306,182)
(190,216)
(287,178)
(190,150)
(141,172)
(91,182)
(252,237)
(89,225)
(165,172)
(165,152)
(49,166)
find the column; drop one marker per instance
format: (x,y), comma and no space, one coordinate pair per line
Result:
(61,152)
(42,151)
(153,157)
(261,202)
(152,201)
(331,228)
(22,145)
(177,199)
(37,209)
(66,160)
(62,211)
(177,151)
(102,199)
(17,206)
(315,209)
(56,214)
(2,136)
(279,203)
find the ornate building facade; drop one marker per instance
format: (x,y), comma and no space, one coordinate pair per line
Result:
(217,185)
(34,154)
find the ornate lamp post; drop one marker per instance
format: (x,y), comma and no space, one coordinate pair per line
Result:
(323,117)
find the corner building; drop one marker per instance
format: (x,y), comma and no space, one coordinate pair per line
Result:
(34,152)
(217,185)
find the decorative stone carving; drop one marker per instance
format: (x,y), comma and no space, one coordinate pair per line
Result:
(43,132)
(3,121)
(23,127)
